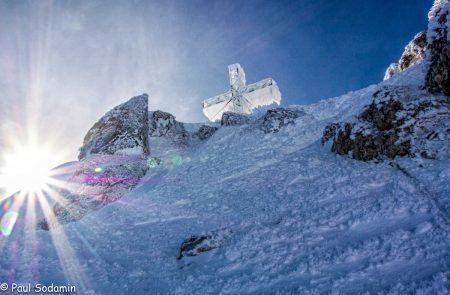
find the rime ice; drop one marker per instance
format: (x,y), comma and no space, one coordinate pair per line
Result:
(241,98)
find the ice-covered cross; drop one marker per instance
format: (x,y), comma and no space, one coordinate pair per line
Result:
(241,98)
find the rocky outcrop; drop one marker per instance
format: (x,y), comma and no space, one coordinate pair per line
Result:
(198,244)
(278,118)
(113,159)
(400,121)
(164,124)
(124,129)
(205,132)
(438,76)
(414,52)
(234,119)
(97,181)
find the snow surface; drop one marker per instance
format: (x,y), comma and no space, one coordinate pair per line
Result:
(302,219)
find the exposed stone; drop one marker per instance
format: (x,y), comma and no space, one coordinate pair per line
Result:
(123,129)
(205,132)
(98,180)
(164,124)
(438,76)
(234,119)
(401,121)
(278,118)
(329,132)
(197,244)
(414,52)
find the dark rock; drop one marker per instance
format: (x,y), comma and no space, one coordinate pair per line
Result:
(234,119)
(278,118)
(401,121)
(383,116)
(329,132)
(124,128)
(164,124)
(205,132)
(197,244)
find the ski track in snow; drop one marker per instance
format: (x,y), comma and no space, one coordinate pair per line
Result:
(303,220)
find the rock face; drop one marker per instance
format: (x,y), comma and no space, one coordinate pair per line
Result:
(123,129)
(234,119)
(164,124)
(112,162)
(278,118)
(438,77)
(400,121)
(414,52)
(97,181)
(198,244)
(205,132)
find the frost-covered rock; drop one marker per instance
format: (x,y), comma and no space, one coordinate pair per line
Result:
(278,118)
(438,76)
(400,121)
(198,244)
(205,132)
(97,181)
(391,71)
(164,124)
(124,129)
(112,162)
(234,119)
(414,53)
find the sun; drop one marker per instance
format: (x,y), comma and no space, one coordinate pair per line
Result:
(27,169)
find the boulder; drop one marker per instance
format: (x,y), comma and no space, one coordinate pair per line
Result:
(124,129)
(205,132)
(198,244)
(164,124)
(98,180)
(113,159)
(278,118)
(234,119)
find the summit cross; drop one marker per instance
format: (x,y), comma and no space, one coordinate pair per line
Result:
(241,98)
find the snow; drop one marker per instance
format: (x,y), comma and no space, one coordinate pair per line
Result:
(301,220)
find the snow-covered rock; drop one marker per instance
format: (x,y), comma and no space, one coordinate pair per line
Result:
(198,244)
(400,121)
(438,77)
(124,130)
(98,180)
(205,132)
(234,119)
(112,162)
(278,118)
(164,124)
(413,54)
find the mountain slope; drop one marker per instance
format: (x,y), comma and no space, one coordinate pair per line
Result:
(302,219)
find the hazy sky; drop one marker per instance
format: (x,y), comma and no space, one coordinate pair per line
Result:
(63,64)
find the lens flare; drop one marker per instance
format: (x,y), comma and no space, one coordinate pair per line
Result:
(8,221)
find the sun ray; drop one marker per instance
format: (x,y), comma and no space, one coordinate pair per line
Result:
(68,260)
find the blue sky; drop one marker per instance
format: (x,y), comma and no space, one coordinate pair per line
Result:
(65,63)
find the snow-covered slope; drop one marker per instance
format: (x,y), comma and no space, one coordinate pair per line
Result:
(302,220)
(272,209)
